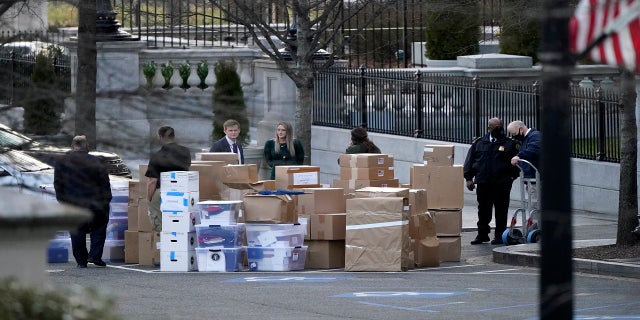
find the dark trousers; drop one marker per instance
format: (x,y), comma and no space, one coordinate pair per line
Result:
(79,242)
(493,196)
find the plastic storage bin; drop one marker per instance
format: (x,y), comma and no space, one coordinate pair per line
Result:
(276,259)
(219,212)
(116,228)
(275,235)
(113,251)
(229,236)
(220,259)
(59,250)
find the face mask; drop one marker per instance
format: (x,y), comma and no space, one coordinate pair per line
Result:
(519,137)
(497,132)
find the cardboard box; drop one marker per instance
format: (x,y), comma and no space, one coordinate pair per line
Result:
(179,201)
(350,186)
(321,200)
(444,185)
(448,222)
(426,252)
(418,201)
(422,226)
(148,251)
(180,181)
(377,235)
(131,246)
(438,155)
(374,173)
(328,226)
(449,249)
(135,193)
(132,218)
(374,192)
(178,241)
(226,157)
(325,254)
(210,178)
(144,222)
(365,160)
(292,177)
(240,173)
(179,261)
(269,208)
(142,169)
(179,221)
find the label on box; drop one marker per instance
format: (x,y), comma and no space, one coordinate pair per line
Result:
(305,178)
(267,238)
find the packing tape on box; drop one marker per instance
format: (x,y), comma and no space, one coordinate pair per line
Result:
(378,225)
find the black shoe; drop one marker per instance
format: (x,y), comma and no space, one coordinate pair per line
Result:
(81,266)
(97,262)
(496,241)
(480,239)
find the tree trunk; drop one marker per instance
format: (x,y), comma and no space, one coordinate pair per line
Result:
(303,116)
(85,118)
(628,195)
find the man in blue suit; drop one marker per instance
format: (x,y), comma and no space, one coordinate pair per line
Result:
(530,148)
(228,143)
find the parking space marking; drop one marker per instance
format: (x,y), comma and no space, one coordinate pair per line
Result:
(288,279)
(398,294)
(610,306)
(508,307)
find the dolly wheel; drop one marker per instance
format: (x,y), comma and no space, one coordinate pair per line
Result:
(533,236)
(505,237)
(515,237)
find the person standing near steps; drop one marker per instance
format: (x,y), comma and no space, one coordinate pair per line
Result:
(488,166)
(230,143)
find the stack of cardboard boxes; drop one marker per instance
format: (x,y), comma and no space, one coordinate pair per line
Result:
(444,184)
(365,170)
(325,212)
(179,195)
(141,242)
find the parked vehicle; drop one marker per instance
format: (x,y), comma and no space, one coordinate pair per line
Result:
(49,154)
(22,49)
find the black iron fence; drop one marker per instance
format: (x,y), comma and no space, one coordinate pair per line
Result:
(389,40)
(456,109)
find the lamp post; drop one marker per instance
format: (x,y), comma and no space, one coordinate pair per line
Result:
(107,27)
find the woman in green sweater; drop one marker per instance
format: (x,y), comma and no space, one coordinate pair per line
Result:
(279,151)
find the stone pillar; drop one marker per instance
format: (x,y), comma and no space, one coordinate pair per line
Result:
(27,223)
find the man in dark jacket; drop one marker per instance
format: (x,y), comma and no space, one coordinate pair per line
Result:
(229,143)
(530,148)
(488,164)
(80,179)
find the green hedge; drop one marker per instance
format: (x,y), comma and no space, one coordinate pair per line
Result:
(452,29)
(228,101)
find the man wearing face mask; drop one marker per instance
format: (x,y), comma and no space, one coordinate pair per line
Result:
(488,166)
(529,149)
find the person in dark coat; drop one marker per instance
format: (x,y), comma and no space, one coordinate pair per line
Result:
(279,151)
(360,142)
(80,179)
(530,140)
(488,166)
(228,143)
(170,157)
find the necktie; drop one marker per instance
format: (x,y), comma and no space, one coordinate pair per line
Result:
(235,148)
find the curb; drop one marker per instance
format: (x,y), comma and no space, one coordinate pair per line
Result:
(525,255)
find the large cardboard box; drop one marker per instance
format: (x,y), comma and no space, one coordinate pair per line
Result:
(450,249)
(269,208)
(240,173)
(377,235)
(135,192)
(131,246)
(296,177)
(327,226)
(142,169)
(132,218)
(444,185)
(210,178)
(180,261)
(426,252)
(144,222)
(374,173)
(448,222)
(226,157)
(180,181)
(418,201)
(321,200)
(324,254)
(179,201)
(365,160)
(373,192)
(148,251)
(422,226)
(350,186)
(438,155)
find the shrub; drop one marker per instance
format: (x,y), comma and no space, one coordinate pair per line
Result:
(520,29)
(43,102)
(452,29)
(228,101)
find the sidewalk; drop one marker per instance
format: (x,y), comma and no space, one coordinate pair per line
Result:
(595,229)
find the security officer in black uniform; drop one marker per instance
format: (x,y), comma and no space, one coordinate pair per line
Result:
(488,164)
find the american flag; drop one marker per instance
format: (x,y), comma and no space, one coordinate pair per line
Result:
(607,31)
